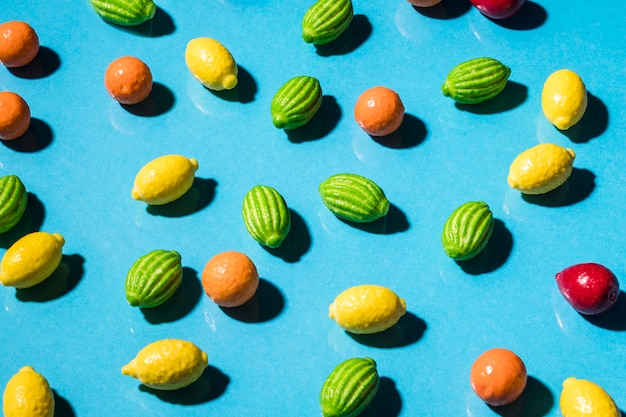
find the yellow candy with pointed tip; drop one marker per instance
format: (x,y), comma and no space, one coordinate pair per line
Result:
(28,394)
(164,179)
(167,364)
(564,98)
(367,309)
(211,63)
(541,168)
(31,259)
(583,398)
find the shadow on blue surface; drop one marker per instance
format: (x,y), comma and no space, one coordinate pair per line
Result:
(266,304)
(37,137)
(297,242)
(245,90)
(614,319)
(62,407)
(535,401)
(198,197)
(447,9)
(407,331)
(161,24)
(593,123)
(357,33)
(530,16)
(63,280)
(513,95)
(394,222)
(31,221)
(387,402)
(577,188)
(411,133)
(320,126)
(180,304)
(159,101)
(211,385)
(494,255)
(45,63)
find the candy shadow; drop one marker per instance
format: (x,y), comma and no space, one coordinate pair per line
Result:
(446,9)
(394,222)
(245,90)
(38,137)
(31,221)
(536,401)
(198,197)
(62,406)
(266,304)
(45,63)
(159,101)
(354,36)
(297,242)
(513,95)
(321,125)
(530,16)
(411,133)
(212,384)
(577,188)
(593,123)
(161,24)
(387,402)
(407,331)
(613,319)
(494,255)
(63,280)
(182,302)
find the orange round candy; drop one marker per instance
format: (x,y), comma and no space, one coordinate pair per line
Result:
(230,279)
(128,80)
(498,376)
(19,44)
(14,116)
(379,111)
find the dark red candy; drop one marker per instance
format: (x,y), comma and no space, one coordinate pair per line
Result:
(589,287)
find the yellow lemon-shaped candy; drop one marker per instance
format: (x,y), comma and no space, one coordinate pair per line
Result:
(211,63)
(164,179)
(582,398)
(31,259)
(28,394)
(167,364)
(367,309)
(564,98)
(541,168)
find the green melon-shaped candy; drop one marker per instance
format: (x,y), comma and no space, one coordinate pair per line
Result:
(476,80)
(467,230)
(124,12)
(349,388)
(325,20)
(296,102)
(266,216)
(13,199)
(154,278)
(353,197)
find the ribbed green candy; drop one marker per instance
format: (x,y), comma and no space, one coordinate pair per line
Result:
(325,20)
(353,197)
(296,102)
(154,278)
(124,12)
(350,387)
(467,230)
(13,199)
(266,216)
(476,80)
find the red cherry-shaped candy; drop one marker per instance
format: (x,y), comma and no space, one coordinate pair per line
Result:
(589,287)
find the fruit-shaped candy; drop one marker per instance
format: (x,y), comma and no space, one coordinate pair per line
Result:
(541,169)
(564,98)
(266,215)
(467,230)
(13,200)
(584,398)
(498,376)
(28,394)
(589,287)
(296,102)
(349,388)
(124,12)
(354,197)
(212,64)
(326,20)
(153,278)
(476,80)
(164,179)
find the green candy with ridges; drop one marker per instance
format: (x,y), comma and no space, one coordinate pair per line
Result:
(13,201)
(296,102)
(476,80)
(266,215)
(349,388)
(326,20)
(125,12)
(467,230)
(354,197)
(154,278)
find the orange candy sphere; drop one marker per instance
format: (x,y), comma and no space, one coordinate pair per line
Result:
(498,376)
(230,279)
(128,80)
(379,111)
(14,116)
(19,44)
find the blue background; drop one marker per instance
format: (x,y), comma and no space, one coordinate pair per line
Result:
(270,357)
